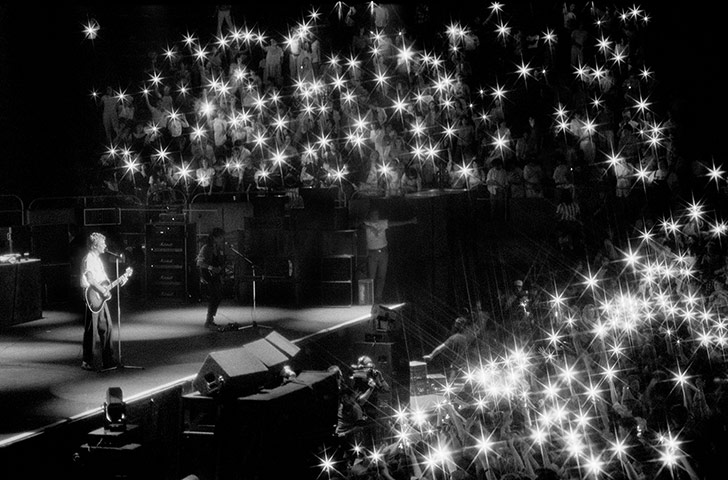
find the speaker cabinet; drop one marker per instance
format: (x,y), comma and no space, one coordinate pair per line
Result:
(101,216)
(277,433)
(337,294)
(50,243)
(337,268)
(169,263)
(339,242)
(237,370)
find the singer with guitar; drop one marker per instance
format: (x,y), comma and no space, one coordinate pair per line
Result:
(97,291)
(211,265)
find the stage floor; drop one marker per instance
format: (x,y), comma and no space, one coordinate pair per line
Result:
(40,361)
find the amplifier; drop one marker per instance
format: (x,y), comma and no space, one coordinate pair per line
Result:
(165,230)
(166,275)
(337,268)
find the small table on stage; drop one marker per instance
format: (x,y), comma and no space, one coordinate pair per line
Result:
(20,292)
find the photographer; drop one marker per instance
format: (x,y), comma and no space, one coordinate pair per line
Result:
(367,383)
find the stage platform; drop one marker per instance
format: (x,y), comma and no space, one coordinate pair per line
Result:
(40,361)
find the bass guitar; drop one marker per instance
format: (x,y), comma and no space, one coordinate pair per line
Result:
(95,301)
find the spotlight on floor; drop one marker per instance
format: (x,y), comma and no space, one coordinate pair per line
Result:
(114,410)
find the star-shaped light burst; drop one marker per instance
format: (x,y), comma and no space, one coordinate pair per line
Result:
(642,105)
(314,14)
(604,44)
(696,210)
(201,54)
(549,37)
(197,133)
(618,57)
(715,174)
(381,79)
(670,452)
(189,40)
(155,78)
(327,464)
(161,155)
(496,8)
(184,172)
(170,53)
(594,465)
(503,31)
(91,29)
(498,92)
(582,72)
(222,41)
(524,71)
(400,105)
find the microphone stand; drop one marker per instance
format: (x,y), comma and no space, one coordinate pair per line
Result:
(120,364)
(252,266)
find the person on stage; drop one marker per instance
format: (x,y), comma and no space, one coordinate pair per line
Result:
(377,250)
(211,265)
(93,275)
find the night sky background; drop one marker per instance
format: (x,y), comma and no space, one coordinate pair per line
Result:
(50,128)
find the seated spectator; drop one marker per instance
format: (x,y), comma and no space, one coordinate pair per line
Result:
(563,178)
(205,175)
(497,182)
(411,180)
(533,178)
(516,182)
(718,299)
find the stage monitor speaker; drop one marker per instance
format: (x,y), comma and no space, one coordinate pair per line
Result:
(236,371)
(244,370)
(273,350)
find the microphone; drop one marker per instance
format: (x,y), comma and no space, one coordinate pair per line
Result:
(115,255)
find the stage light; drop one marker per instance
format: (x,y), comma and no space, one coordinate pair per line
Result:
(114,410)
(213,383)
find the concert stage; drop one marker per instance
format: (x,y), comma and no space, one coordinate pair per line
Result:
(43,384)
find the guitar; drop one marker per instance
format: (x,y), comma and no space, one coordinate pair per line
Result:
(95,301)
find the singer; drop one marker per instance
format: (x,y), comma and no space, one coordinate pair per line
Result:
(211,265)
(93,275)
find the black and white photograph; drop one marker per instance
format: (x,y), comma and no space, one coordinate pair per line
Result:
(363,241)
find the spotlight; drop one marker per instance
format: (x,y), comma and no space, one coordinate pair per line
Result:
(114,410)
(213,383)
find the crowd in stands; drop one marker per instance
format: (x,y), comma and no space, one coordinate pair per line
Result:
(357,99)
(613,367)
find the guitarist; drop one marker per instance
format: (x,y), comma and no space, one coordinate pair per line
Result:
(93,275)
(211,265)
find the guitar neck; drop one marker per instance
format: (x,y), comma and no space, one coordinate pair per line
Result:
(117,281)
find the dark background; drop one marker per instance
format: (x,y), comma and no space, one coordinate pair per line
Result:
(50,128)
